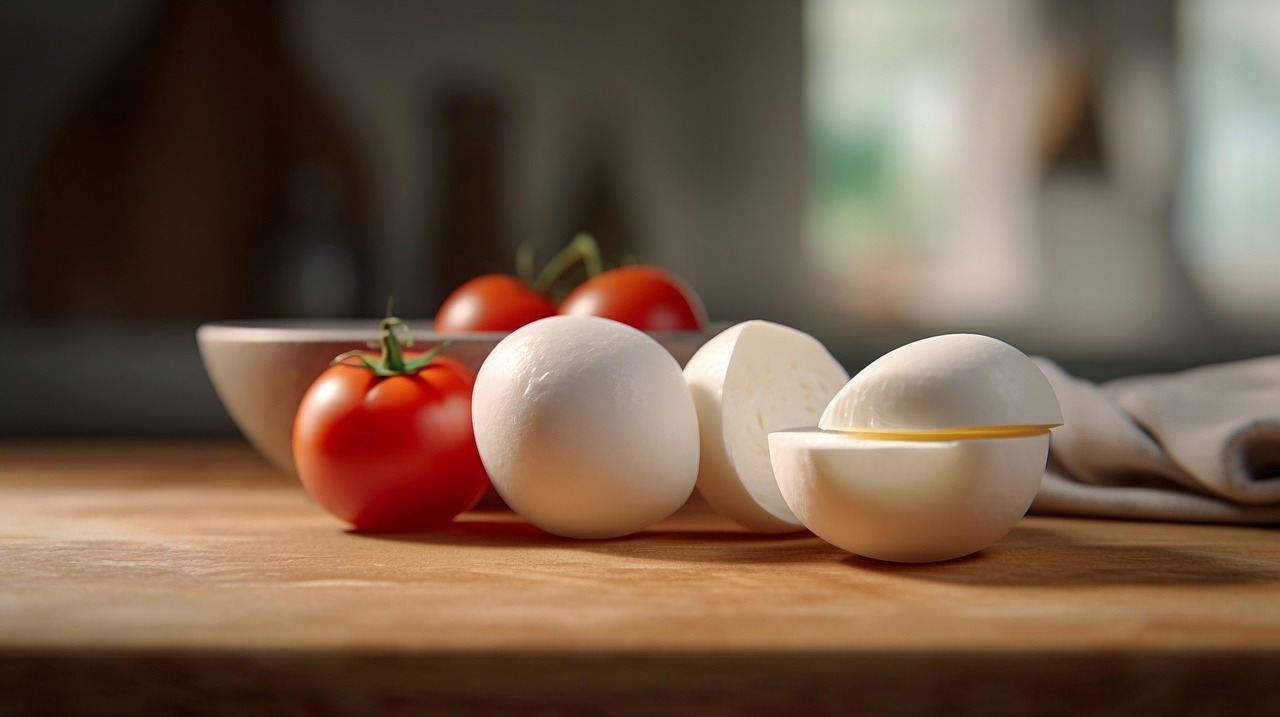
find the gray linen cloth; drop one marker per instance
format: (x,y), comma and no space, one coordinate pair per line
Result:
(1200,445)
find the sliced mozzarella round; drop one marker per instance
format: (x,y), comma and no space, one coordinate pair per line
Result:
(751,379)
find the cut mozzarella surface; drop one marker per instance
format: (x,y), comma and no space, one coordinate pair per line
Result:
(754,378)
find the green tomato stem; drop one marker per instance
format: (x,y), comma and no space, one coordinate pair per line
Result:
(583,248)
(392,355)
(392,361)
(524,264)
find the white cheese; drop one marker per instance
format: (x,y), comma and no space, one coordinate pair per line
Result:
(751,379)
(586,427)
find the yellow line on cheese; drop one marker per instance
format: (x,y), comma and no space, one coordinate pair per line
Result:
(948,434)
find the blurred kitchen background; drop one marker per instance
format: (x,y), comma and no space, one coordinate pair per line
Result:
(1098,182)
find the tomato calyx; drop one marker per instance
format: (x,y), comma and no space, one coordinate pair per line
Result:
(392,361)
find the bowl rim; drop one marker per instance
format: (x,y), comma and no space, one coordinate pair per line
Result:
(311,330)
(325,330)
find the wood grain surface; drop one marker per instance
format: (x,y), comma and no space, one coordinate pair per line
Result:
(191,577)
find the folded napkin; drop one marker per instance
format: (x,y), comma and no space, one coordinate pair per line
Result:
(1200,445)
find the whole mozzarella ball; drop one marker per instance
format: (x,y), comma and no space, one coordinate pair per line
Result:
(586,427)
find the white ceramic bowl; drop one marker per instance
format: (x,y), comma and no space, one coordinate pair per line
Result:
(261,369)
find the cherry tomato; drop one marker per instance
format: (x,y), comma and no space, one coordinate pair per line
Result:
(646,297)
(492,302)
(390,452)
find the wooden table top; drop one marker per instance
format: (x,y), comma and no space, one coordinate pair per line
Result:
(140,577)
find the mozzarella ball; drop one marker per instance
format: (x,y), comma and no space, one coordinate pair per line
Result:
(945,382)
(908,501)
(586,427)
(751,379)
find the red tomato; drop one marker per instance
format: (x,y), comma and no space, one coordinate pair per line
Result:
(646,297)
(492,302)
(390,453)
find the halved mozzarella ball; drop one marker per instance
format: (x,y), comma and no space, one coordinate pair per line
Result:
(943,383)
(908,501)
(586,427)
(751,379)
(933,451)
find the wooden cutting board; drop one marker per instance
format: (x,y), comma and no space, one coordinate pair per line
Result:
(191,576)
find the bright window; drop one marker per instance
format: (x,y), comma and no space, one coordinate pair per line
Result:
(1230,191)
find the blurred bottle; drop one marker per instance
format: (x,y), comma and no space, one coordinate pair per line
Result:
(600,212)
(469,237)
(316,270)
(162,193)
(598,204)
